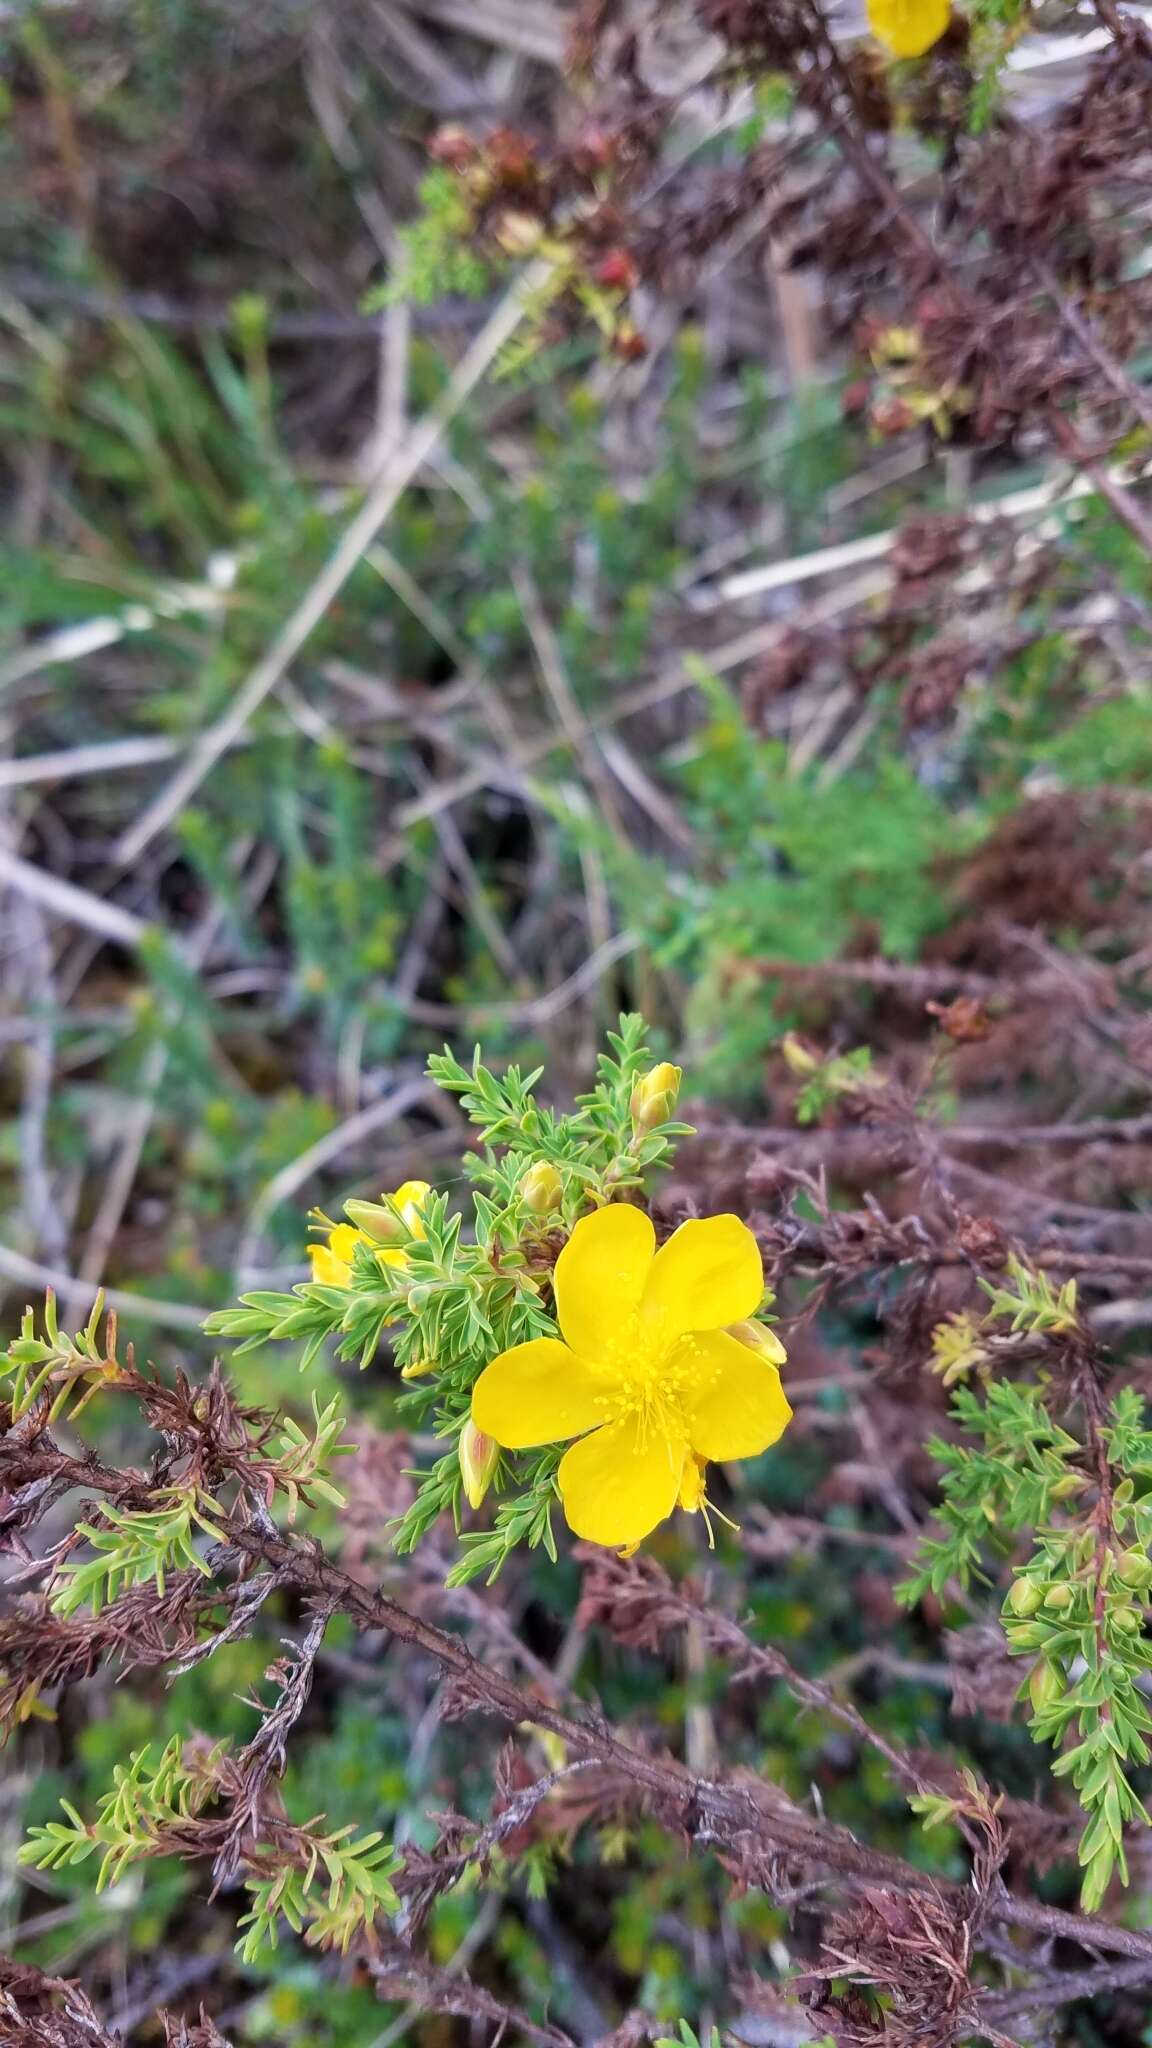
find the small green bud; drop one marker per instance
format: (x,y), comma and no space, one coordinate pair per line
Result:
(419,1296)
(1060,1598)
(478,1459)
(376,1222)
(654,1096)
(1024,1597)
(1135,1570)
(1129,1619)
(1045,1686)
(1071,1483)
(541,1188)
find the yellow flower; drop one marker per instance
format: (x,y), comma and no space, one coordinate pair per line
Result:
(647,1377)
(332,1261)
(908,27)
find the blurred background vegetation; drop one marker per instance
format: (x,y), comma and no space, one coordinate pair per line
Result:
(665,679)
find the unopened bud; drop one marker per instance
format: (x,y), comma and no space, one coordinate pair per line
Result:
(417,1368)
(759,1338)
(1025,1597)
(616,270)
(1127,1619)
(654,1096)
(541,1188)
(377,1222)
(478,1458)
(1045,1686)
(797,1057)
(1135,1570)
(395,1219)
(1066,1487)
(1059,1598)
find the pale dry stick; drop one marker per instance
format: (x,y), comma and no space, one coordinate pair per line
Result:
(365,1124)
(423,608)
(535,1009)
(78,906)
(167,1315)
(90,636)
(75,906)
(117,1188)
(645,697)
(356,539)
(539,31)
(102,757)
(872,547)
(645,793)
(562,696)
(392,389)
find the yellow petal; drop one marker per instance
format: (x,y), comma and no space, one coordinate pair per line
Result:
(618,1483)
(600,1277)
(709,1273)
(908,27)
(327,1269)
(538,1393)
(332,1262)
(733,1402)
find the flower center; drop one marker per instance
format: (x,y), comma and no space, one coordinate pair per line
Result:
(649,1374)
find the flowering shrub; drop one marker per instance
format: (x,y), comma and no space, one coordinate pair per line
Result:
(549,1343)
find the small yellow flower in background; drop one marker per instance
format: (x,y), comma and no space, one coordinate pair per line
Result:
(648,1376)
(479,1456)
(654,1096)
(332,1261)
(908,27)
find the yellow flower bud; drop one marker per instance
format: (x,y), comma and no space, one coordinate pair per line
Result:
(797,1057)
(478,1458)
(541,1188)
(759,1338)
(654,1096)
(1060,1598)
(1045,1685)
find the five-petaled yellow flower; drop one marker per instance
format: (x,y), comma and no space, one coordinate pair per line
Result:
(908,27)
(332,1261)
(648,1377)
